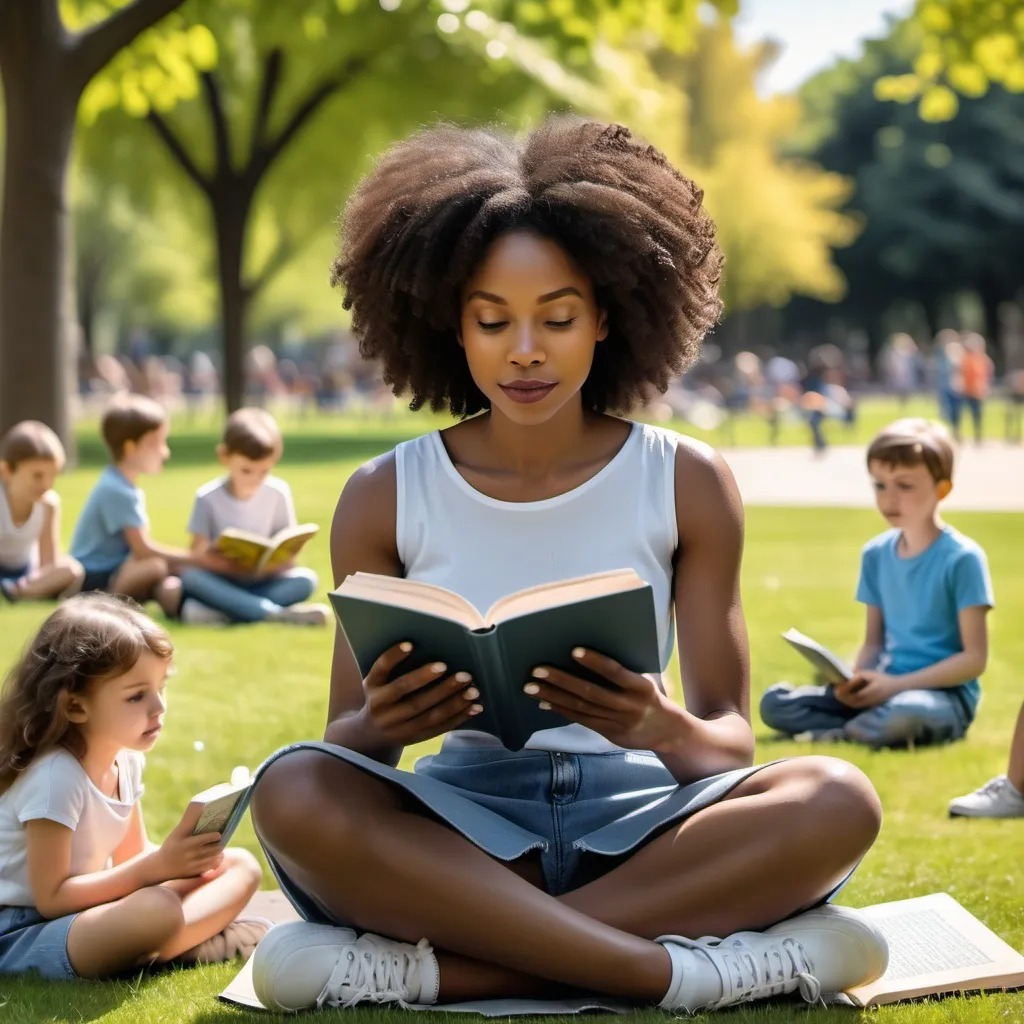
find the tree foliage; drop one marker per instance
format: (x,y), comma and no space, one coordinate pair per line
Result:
(964,47)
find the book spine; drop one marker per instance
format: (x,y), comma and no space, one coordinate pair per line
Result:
(493,686)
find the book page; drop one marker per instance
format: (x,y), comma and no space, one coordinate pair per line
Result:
(411,594)
(286,544)
(935,945)
(562,592)
(244,549)
(832,667)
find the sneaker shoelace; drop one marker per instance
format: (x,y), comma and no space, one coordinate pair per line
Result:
(999,786)
(371,972)
(782,968)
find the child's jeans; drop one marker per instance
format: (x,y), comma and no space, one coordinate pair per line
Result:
(913,717)
(245,601)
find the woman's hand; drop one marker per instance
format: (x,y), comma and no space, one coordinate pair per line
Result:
(867,689)
(410,708)
(635,714)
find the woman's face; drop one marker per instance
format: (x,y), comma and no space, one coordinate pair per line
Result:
(529,327)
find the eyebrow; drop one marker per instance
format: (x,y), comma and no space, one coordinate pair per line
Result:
(549,297)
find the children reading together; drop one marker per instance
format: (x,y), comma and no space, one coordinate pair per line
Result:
(31,564)
(250,499)
(83,892)
(927,591)
(111,538)
(533,288)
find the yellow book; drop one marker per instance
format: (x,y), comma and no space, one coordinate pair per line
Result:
(256,554)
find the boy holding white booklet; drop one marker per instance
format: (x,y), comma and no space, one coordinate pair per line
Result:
(247,499)
(927,591)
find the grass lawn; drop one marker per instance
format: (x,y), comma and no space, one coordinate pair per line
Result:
(239,694)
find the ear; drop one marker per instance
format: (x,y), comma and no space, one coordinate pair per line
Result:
(602,325)
(942,489)
(5,471)
(458,337)
(222,454)
(75,709)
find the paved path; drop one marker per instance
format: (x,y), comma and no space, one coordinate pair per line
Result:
(987,479)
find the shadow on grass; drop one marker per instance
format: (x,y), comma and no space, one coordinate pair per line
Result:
(199,449)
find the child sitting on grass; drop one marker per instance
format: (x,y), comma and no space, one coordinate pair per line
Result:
(31,564)
(83,893)
(111,538)
(927,591)
(247,498)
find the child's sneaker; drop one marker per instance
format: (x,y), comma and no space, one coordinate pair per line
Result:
(303,615)
(998,798)
(301,965)
(237,939)
(828,949)
(195,613)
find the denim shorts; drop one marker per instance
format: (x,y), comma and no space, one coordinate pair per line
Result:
(511,803)
(99,579)
(31,942)
(11,574)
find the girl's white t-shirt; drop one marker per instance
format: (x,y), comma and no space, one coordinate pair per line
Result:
(56,787)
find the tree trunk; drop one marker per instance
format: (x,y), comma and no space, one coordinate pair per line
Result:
(230,216)
(36,302)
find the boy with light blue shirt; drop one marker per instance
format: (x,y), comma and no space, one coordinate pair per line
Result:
(927,591)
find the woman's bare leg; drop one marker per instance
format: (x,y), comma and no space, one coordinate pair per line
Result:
(1015,772)
(391,870)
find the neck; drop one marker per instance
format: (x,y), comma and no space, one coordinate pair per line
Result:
(127,470)
(536,451)
(98,763)
(916,538)
(21,508)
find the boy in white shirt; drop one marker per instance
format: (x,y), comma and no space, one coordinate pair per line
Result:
(31,564)
(247,498)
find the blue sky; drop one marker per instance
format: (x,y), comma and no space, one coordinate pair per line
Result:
(813,32)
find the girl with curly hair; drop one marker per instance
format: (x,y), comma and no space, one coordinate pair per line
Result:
(534,289)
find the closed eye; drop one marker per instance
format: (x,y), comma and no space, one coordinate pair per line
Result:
(561,325)
(495,325)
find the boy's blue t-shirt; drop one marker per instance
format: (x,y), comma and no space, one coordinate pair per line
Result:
(115,505)
(921,598)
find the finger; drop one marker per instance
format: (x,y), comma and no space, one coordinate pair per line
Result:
(455,706)
(437,727)
(610,669)
(189,820)
(380,670)
(572,706)
(593,693)
(394,690)
(457,685)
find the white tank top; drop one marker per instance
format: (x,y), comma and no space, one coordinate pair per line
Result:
(19,545)
(452,535)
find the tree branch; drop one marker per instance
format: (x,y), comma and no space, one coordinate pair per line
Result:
(264,155)
(94,48)
(177,150)
(268,90)
(221,137)
(282,253)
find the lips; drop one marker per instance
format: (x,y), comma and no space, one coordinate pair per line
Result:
(526,391)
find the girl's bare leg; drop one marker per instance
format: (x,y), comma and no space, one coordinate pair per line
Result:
(137,577)
(50,581)
(1015,772)
(127,933)
(391,870)
(208,907)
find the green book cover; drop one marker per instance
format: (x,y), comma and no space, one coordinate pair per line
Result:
(501,656)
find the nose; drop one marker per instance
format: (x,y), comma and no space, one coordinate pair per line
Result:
(525,351)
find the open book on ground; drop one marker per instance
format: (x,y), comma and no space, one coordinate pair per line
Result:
(610,612)
(253,553)
(832,667)
(935,947)
(223,805)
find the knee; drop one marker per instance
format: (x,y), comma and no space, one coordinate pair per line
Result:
(74,569)
(243,864)
(837,797)
(156,568)
(772,706)
(161,909)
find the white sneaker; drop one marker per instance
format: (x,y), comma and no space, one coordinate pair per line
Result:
(195,613)
(298,966)
(303,615)
(828,949)
(998,798)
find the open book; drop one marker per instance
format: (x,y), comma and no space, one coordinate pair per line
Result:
(833,668)
(253,553)
(610,612)
(936,946)
(223,805)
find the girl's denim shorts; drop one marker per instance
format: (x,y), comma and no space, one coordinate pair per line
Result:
(510,803)
(31,942)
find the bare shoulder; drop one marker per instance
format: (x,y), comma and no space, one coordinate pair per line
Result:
(363,530)
(706,491)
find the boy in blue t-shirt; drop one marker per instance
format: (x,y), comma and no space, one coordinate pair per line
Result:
(927,591)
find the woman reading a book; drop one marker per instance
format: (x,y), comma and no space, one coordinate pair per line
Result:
(532,289)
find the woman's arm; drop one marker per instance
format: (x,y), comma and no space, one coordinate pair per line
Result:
(49,539)
(714,658)
(362,540)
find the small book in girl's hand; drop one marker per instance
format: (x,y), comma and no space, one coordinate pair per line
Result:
(610,612)
(223,805)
